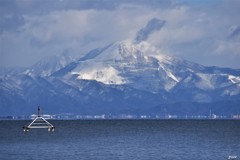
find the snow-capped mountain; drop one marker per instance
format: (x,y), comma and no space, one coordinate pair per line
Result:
(143,67)
(121,78)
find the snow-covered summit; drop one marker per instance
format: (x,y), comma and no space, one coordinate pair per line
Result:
(122,62)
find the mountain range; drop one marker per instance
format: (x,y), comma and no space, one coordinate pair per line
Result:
(125,77)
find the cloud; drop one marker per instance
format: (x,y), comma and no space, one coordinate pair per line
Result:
(200,35)
(74,30)
(30,30)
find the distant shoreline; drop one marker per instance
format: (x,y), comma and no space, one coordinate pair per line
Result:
(133,119)
(69,116)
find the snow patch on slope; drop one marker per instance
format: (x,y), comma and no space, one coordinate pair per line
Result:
(205,82)
(107,75)
(169,74)
(234,79)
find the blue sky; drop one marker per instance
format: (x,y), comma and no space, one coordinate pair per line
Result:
(203,31)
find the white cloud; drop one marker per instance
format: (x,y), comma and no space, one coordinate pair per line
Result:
(57,25)
(192,33)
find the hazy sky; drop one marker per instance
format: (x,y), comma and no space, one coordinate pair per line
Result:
(203,31)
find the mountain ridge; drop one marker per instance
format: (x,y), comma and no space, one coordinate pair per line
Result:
(150,81)
(125,77)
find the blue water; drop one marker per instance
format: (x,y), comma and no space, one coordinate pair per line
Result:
(122,140)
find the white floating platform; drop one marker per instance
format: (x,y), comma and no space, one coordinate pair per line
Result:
(39,122)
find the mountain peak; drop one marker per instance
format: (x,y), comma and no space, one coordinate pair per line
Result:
(121,62)
(152,26)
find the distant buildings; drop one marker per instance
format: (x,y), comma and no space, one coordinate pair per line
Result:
(46,116)
(70,116)
(235,117)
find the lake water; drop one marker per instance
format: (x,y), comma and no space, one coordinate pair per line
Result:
(122,140)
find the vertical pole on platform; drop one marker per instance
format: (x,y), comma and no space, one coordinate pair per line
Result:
(38,111)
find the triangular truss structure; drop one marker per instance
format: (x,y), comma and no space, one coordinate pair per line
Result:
(39,122)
